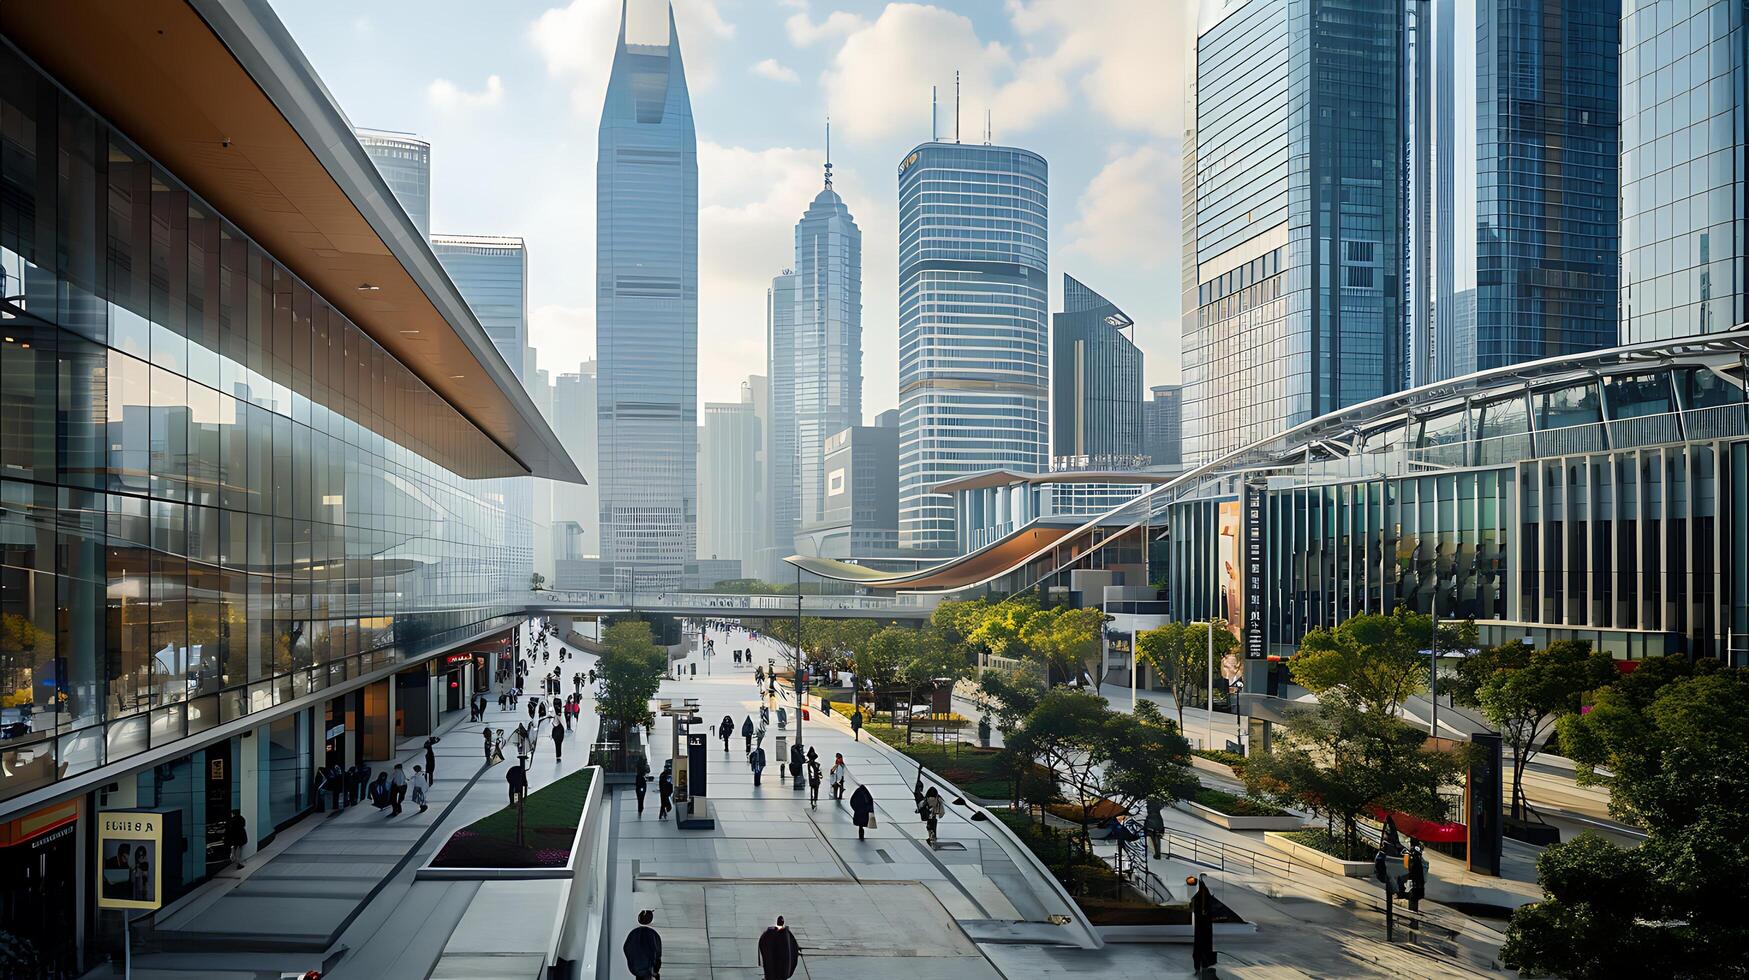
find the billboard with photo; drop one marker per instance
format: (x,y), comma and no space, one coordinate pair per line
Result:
(130,847)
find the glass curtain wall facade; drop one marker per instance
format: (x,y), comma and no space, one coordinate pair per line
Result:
(1682,168)
(1299,207)
(405,163)
(1096,384)
(828,338)
(1165,426)
(973,335)
(646,244)
(492,273)
(728,519)
(219,494)
(1514,234)
(783,478)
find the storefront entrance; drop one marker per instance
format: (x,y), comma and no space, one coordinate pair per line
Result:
(39,855)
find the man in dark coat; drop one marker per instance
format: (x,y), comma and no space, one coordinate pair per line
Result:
(756,762)
(236,836)
(643,948)
(795,763)
(779,953)
(727,730)
(861,808)
(1202,916)
(431,758)
(641,787)
(747,732)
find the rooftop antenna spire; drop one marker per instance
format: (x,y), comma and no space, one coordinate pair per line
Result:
(956,105)
(934,131)
(828,152)
(987,131)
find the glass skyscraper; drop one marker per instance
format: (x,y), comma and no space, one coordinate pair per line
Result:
(973,344)
(1299,203)
(1682,168)
(404,160)
(646,317)
(782,479)
(828,338)
(1164,425)
(1513,161)
(492,273)
(1096,384)
(729,522)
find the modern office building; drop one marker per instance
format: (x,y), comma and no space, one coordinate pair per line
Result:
(783,470)
(404,160)
(992,506)
(246,519)
(973,344)
(1164,426)
(1514,173)
(861,515)
(492,273)
(574,421)
(729,522)
(1096,385)
(1684,257)
(828,337)
(646,241)
(1299,198)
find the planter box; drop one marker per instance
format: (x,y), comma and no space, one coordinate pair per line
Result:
(1311,857)
(1531,832)
(1286,821)
(1215,768)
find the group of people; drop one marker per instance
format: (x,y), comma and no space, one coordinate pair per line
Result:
(779,952)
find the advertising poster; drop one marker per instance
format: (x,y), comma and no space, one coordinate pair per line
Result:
(1232,606)
(130,845)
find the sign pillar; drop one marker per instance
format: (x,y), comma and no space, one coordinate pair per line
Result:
(1256,618)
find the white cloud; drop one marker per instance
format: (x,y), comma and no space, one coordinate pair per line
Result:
(1125,214)
(771,68)
(446,96)
(804,31)
(1129,57)
(576,42)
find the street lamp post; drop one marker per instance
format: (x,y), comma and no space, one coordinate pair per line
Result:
(1211,711)
(801,701)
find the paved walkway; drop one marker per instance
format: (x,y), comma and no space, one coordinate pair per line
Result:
(854,904)
(352,873)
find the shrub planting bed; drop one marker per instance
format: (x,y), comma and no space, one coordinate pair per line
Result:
(1234,805)
(550,816)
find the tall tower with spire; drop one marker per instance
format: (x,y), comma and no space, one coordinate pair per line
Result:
(646,286)
(828,335)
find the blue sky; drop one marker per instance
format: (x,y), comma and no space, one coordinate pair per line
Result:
(509,94)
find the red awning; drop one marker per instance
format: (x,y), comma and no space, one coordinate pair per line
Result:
(1427,831)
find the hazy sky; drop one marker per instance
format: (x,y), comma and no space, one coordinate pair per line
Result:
(509,95)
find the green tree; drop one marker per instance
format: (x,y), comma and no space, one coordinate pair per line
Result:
(1147,759)
(1179,652)
(1066,639)
(1344,760)
(960,617)
(1675,755)
(1523,691)
(1011,694)
(1381,659)
(1000,628)
(1064,733)
(631,669)
(883,659)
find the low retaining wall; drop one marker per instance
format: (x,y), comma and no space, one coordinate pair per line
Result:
(1231,822)
(1311,857)
(1212,767)
(501,927)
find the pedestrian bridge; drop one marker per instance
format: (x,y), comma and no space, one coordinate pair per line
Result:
(730,605)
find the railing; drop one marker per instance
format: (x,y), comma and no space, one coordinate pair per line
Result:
(1713,422)
(1219,856)
(734,602)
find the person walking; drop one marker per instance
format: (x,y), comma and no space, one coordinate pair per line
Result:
(782,718)
(643,948)
(1202,929)
(837,776)
(747,732)
(521,741)
(756,761)
(665,791)
(642,785)
(431,757)
(856,723)
(419,783)
(397,789)
(726,729)
(558,741)
(1154,825)
(779,953)
(379,792)
(236,836)
(814,785)
(932,810)
(517,779)
(862,811)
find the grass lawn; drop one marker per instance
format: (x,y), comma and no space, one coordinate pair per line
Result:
(1234,805)
(549,818)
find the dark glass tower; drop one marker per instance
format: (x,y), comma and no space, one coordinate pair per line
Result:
(647,314)
(1514,152)
(1096,384)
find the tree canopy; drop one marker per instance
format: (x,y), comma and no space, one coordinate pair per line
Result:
(1382,660)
